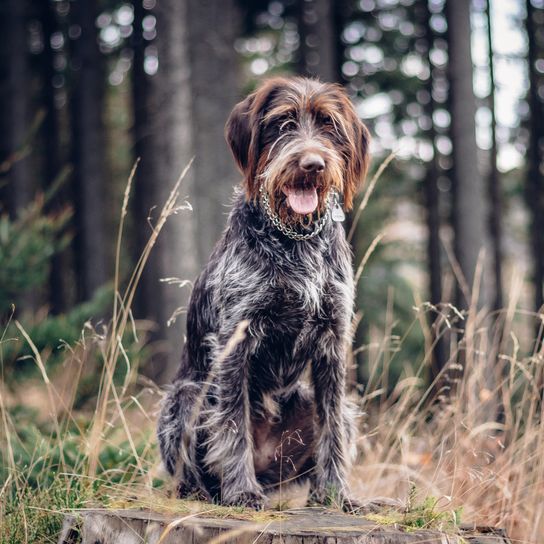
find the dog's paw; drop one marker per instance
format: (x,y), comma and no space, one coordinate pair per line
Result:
(350,505)
(248,499)
(332,496)
(323,496)
(379,504)
(335,500)
(185,490)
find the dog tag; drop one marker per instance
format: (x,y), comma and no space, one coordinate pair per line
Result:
(337,213)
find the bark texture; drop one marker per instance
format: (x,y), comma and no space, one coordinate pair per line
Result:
(88,154)
(180,113)
(52,153)
(432,200)
(493,180)
(214,91)
(318,34)
(14,107)
(298,526)
(535,170)
(166,148)
(470,208)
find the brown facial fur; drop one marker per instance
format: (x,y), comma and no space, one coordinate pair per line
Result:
(284,119)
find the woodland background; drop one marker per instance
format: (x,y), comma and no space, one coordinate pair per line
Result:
(87,87)
(454,227)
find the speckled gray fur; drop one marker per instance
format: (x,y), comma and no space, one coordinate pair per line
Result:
(234,425)
(298,298)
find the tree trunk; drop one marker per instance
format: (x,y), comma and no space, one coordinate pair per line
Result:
(14,104)
(494,181)
(88,153)
(213,30)
(143,183)
(296,526)
(194,106)
(51,143)
(535,170)
(470,210)
(166,148)
(432,204)
(318,54)
(17,180)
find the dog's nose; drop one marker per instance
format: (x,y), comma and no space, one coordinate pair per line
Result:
(312,162)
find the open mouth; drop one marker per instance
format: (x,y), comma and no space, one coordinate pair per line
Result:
(303,201)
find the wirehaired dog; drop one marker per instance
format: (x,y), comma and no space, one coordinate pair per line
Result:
(275,299)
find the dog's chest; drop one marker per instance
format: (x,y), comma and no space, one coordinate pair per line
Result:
(300,280)
(297,299)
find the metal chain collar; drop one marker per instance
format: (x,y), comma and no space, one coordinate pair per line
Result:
(285,229)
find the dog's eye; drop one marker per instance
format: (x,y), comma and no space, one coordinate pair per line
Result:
(286,123)
(324,119)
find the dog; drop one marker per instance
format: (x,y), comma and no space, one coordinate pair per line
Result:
(274,304)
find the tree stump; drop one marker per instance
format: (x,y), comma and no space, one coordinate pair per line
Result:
(302,526)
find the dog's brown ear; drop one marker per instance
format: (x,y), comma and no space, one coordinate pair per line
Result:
(242,134)
(359,160)
(238,131)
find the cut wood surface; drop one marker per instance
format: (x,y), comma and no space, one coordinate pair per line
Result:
(301,526)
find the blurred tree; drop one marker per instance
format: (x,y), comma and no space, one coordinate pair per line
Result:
(470,206)
(18,124)
(535,166)
(15,118)
(51,142)
(320,26)
(165,144)
(140,136)
(385,69)
(180,112)
(432,193)
(493,179)
(88,153)
(213,30)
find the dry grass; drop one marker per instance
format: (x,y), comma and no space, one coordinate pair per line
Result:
(473,440)
(477,446)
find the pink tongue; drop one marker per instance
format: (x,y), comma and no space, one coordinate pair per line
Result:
(302,201)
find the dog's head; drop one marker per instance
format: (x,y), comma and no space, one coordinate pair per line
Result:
(300,138)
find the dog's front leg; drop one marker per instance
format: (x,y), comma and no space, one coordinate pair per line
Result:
(329,482)
(230,444)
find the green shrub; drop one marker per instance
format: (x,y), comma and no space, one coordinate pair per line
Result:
(50,334)
(27,244)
